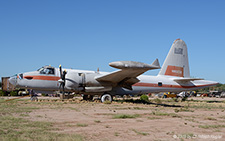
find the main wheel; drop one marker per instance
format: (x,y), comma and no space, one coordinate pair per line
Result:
(34,98)
(88,97)
(106,97)
(85,97)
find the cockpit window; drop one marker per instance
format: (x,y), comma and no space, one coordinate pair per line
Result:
(40,69)
(44,70)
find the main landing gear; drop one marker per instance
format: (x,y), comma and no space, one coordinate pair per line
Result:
(104,97)
(88,97)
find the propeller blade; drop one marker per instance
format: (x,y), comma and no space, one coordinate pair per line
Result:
(60,70)
(62,81)
(63,88)
(64,75)
(60,86)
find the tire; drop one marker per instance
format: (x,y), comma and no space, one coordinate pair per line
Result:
(34,98)
(85,97)
(88,97)
(106,97)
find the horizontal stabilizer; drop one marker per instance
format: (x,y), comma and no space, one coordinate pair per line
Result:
(186,79)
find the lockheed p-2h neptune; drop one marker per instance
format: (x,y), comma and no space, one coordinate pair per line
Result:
(174,76)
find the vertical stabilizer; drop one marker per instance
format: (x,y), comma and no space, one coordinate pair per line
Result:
(176,63)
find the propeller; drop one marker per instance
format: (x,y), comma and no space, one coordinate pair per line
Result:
(62,79)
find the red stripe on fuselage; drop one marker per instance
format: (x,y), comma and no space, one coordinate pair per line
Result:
(56,78)
(42,77)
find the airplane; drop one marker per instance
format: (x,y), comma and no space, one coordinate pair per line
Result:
(174,76)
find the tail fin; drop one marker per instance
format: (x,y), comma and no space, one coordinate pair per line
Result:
(176,63)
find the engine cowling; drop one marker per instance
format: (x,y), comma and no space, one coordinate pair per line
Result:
(85,83)
(73,82)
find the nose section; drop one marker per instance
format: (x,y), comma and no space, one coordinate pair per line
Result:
(13,80)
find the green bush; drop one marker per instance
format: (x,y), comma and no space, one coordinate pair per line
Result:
(144,98)
(13,93)
(2,93)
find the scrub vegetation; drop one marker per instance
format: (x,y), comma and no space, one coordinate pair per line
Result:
(82,125)
(15,127)
(158,113)
(123,116)
(140,133)
(144,98)
(135,119)
(211,126)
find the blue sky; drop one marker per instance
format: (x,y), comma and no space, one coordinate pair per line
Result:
(89,34)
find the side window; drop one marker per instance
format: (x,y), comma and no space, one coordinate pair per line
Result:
(51,71)
(47,71)
(160,84)
(43,71)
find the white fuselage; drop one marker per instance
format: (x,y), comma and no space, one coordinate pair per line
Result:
(174,76)
(147,84)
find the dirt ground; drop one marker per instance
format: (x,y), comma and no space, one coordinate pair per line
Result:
(195,119)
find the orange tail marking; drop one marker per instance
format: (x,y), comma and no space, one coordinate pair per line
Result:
(175,71)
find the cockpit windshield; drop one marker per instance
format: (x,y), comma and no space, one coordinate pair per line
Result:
(46,70)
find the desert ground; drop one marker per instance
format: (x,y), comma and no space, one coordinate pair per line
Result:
(129,119)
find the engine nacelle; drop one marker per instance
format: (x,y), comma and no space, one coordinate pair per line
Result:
(85,83)
(73,81)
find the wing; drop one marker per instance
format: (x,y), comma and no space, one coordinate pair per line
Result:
(128,73)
